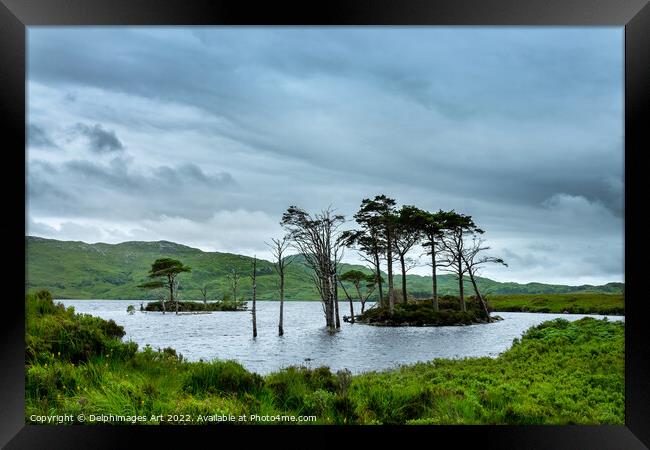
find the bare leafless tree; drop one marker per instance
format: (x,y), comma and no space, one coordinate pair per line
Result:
(458,227)
(318,238)
(338,254)
(204,293)
(473,262)
(233,279)
(278,248)
(452,246)
(254,279)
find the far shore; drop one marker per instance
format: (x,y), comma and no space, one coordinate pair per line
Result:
(566,303)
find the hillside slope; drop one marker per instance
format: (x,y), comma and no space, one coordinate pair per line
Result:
(76,270)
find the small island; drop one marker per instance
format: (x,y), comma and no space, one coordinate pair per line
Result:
(196,306)
(421,313)
(162,277)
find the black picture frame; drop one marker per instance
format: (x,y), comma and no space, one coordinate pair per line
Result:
(634,15)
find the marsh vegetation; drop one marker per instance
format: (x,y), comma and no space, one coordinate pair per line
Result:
(559,372)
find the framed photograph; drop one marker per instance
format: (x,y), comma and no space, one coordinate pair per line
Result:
(261,220)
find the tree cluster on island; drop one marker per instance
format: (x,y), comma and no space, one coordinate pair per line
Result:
(163,280)
(385,234)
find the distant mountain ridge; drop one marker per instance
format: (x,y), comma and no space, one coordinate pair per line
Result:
(78,270)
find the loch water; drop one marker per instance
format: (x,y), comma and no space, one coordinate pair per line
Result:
(306,341)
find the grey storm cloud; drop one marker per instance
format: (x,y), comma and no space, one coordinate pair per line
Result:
(38,137)
(99,139)
(522,127)
(119,192)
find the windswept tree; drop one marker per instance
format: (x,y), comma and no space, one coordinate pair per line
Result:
(459,227)
(369,246)
(166,270)
(378,216)
(474,261)
(432,226)
(278,248)
(407,235)
(344,277)
(319,240)
(410,263)
(358,279)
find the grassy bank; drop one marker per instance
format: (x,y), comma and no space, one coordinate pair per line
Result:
(583,303)
(558,373)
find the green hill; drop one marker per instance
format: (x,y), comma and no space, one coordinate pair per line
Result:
(76,270)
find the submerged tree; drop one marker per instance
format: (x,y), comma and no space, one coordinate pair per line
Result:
(320,241)
(254,279)
(278,248)
(166,270)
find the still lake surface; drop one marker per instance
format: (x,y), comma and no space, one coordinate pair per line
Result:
(306,341)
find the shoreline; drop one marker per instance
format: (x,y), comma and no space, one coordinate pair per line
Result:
(128,377)
(341,302)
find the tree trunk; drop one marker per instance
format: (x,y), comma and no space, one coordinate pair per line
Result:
(401,261)
(349,300)
(327,300)
(280,329)
(170,281)
(254,297)
(434,281)
(336,302)
(461,287)
(389,259)
(381,290)
(363,303)
(478,294)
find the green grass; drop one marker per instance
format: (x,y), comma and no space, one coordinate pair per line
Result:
(577,303)
(76,270)
(559,372)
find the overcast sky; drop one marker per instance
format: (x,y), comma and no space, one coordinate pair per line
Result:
(204,136)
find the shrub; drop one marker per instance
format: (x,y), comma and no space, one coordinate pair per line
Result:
(420,314)
(53,330)
(293,385)
(221,376)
